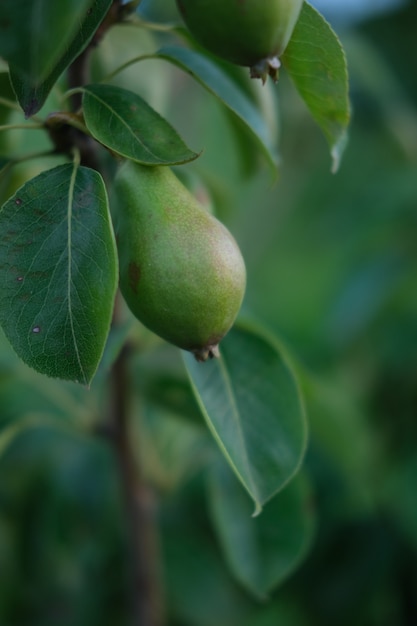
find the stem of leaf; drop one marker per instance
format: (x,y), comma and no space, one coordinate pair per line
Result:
(135,20)
(71,92)
(21,126)
(127,64)
(10,104)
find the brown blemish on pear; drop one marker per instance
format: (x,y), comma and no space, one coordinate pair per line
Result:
(134,276)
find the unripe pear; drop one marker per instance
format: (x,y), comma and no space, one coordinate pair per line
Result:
(253,33)
(181,271)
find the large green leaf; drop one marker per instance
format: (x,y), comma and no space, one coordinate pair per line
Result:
(32,93)
(316,62)
(264,551)
(125,123)
(217,82)
(251,402)
(35,33)
(58,271)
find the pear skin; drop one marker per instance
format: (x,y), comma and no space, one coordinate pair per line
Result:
(181,271)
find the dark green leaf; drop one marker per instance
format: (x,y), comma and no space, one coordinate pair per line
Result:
(34,34)
(58,272)
(31,93)
(60,496)
(264,551)
(125,123)
(316,62)
(251,402)
(216,81)
(200,590)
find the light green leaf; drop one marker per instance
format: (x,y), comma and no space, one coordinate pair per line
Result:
(125,123)
(316,62)
(263,551)
(35,33)
(218,83)
(32,93)
(251,403)
(58,271)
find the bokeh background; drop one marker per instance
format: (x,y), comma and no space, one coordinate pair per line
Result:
(332,271)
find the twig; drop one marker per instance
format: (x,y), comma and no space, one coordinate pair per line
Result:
(78,75)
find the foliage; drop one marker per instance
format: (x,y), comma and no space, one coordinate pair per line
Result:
(324,348)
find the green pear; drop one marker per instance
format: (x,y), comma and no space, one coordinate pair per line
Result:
(181,271)
(252,33)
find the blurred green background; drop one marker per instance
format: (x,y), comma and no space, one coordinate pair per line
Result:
(332,270)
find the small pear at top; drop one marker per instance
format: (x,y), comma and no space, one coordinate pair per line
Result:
(253,33)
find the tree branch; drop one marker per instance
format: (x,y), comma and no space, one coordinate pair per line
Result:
(144,554)
(66,137)
(146,589)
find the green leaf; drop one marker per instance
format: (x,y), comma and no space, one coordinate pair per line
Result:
(34,33)
(251,403)
(125,123)
(58,271)
(200,590)
(32,93)
(264,551)
(316,62)
(216,81)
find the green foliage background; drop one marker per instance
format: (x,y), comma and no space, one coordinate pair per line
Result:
(332,271)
